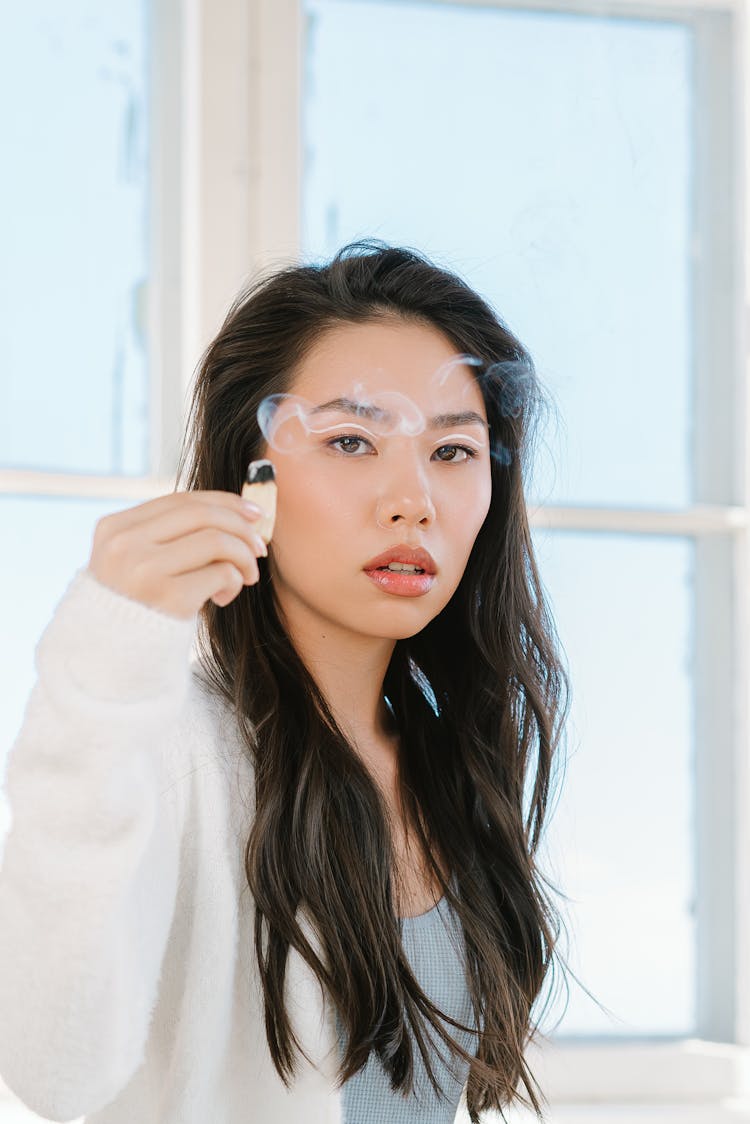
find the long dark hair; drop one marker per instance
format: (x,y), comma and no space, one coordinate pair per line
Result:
(479,698)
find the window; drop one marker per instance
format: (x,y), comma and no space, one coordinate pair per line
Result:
(578,163)
(74,277)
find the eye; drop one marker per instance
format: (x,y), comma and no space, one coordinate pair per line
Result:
(347,441)
(470,454)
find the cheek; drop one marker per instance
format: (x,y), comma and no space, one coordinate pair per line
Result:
(469,509)
(485,501)
(314,536)
(311,506)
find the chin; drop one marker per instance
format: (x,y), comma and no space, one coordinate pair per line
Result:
(405,628)
(404,633)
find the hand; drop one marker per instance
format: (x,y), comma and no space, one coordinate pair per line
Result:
(178,551)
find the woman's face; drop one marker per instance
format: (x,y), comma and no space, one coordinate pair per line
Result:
(349,489)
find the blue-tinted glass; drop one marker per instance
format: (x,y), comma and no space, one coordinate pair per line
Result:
(73,267)
(51,538)
(620,843)
(547,158)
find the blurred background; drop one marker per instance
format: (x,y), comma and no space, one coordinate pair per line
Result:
(582,164)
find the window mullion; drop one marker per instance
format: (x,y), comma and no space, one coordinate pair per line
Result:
(741,678)
(700,519)
(716,308)
(22,482)
(281,27)
(219,170)
(165,291)
(682,10)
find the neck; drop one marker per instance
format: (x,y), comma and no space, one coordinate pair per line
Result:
(349,669)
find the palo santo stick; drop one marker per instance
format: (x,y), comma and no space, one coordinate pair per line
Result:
(260,488)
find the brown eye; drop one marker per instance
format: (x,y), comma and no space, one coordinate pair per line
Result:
(452,449)
(344,445)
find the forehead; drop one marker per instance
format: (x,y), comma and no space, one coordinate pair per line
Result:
(388,354)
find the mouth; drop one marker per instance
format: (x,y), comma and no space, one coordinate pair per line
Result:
(403,558)
(400,568)
(402,583)
(403,570)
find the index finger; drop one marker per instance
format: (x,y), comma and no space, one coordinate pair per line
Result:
(144,512)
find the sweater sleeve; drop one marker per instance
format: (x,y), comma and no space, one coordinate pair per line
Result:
(90,865)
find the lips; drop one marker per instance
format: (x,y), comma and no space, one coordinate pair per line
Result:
(412,556)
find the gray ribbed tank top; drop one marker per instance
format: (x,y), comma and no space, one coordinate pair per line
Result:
(434,946)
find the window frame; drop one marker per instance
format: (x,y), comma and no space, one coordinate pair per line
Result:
(226,90)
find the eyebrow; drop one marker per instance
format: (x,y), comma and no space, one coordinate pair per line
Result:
(361,409)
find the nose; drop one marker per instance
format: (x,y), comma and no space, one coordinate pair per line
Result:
(405,499)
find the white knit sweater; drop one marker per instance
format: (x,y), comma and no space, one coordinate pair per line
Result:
(128,986)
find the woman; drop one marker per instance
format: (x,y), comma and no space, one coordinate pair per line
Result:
(295,873)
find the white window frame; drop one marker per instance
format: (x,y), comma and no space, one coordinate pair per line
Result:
(226,159)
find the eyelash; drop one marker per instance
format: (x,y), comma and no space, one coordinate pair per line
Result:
(471,453)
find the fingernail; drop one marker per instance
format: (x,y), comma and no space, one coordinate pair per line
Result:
(262,546)
(252,508)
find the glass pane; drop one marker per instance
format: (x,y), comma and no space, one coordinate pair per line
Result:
(73,271)
(51,539)
(546,157)
(620,841)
